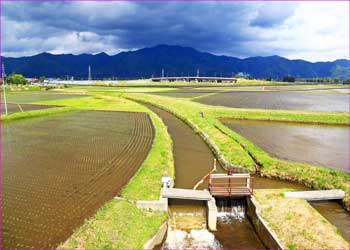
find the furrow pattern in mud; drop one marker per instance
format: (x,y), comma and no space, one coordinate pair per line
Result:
(59,170)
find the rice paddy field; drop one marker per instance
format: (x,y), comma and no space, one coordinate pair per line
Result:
(188,92)
(315,144)
(36,96)
(15,107)
(322,102)
(58,170)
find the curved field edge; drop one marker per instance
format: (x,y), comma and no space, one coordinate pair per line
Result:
(35,113)
(110,227)
(239,151)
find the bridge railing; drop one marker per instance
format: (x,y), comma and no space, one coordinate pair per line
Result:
(234,185)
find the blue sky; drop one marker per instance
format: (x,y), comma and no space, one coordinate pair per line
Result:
(314,31)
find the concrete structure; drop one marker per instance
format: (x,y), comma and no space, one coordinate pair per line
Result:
(186,194)
(266,234)
(194,79)
(157,239)
(212,212)
(156,205)
(201,195)
(317,195)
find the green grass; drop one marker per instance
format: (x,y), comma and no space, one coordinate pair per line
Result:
(296,223)
(34,113)
(239,151)
(118,225)
(145,185)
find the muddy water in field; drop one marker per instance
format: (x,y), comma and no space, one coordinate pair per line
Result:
(59,170)
(14,108)
(326,102)
(193,160)
(36,96)
(187,92)
(315,144)
(335,214)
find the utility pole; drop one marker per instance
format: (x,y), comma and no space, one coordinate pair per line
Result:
(197,72)
(4,88)
(162,73)
(89,77)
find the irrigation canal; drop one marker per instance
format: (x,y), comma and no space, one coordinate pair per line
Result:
(193,159)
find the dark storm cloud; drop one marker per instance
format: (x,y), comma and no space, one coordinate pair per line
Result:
(272,15)
(229,28)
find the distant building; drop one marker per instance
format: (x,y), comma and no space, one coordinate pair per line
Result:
(194,79)
(33,80)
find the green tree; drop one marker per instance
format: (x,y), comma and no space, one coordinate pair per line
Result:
(42,79)
(340,72)
(289,79)
(17,79)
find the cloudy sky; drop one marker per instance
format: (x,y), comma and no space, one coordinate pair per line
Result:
(314,31)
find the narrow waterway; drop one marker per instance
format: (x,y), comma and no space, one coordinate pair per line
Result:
(193,160)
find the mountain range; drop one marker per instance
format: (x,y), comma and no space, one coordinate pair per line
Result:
(175,60)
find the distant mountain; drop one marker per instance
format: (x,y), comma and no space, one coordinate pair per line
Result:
(175,60)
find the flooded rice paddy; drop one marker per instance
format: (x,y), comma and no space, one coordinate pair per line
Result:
(324,102)
(59,170)
(14,107)
(36,96)
(314,144)
(187,92)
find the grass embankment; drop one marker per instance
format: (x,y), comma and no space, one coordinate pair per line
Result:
(34,113)
(239,151)
(119,224)
(296,223)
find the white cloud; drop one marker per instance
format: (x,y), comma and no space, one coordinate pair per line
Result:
(308,30)
(318,31)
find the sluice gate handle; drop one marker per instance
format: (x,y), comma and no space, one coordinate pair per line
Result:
(206,176)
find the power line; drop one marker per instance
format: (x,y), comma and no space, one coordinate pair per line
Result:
(4,87)
(89,77)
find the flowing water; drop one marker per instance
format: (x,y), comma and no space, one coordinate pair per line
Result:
(187,229)
(234,230)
